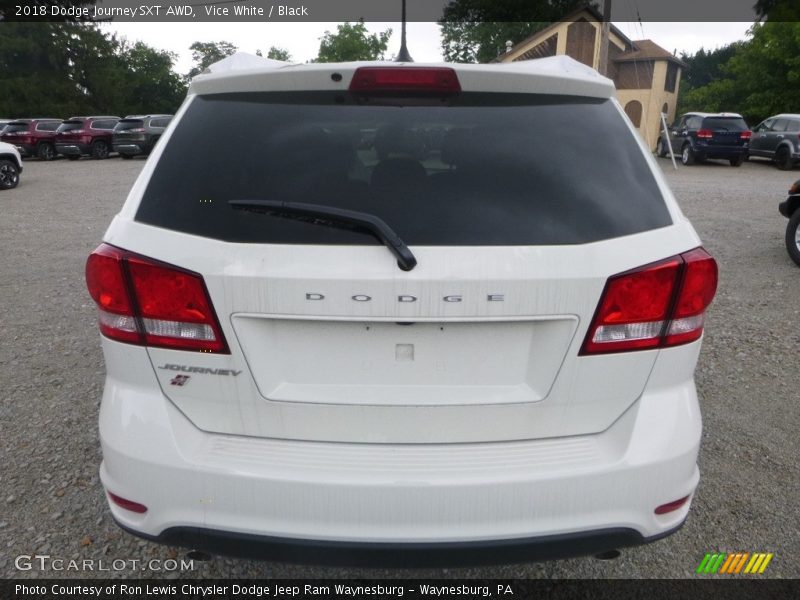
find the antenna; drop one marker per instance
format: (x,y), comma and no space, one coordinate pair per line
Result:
(403,55)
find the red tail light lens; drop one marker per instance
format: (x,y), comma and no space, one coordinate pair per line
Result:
(746,135)
(697,289)
(405,79)
(705,134)
(654,306)
(146,302)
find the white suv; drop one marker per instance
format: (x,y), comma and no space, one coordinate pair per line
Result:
(10,166)
(426,314)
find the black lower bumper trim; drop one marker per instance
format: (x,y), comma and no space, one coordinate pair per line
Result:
(403,555)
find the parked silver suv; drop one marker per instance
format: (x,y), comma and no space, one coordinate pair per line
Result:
(778,138)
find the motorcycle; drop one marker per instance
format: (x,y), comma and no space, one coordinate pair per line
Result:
(790,208)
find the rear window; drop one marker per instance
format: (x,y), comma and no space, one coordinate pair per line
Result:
(104,124)
(484,169)
(126,124)
(724,123)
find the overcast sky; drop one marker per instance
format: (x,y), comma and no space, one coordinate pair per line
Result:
(302,39)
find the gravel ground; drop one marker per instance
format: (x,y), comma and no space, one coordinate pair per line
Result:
(51,374)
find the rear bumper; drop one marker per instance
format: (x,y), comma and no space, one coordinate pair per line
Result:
(130,148)
(71,149)
(410,555)
(720,151)
(544,498)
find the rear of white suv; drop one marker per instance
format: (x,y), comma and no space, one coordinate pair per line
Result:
(423,314)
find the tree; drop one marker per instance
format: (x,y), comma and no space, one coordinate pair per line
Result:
(65,69)
(760,78)
(207,53)
(150,85)
(279,54)
(706,71)
(778,10)
(352,42)
(477,30)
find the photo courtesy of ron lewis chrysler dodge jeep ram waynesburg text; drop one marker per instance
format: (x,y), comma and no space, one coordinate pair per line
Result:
(390,321)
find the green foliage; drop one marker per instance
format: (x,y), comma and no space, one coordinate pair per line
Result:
(706,66)
(279,54)
(352,42)
(778,10)
(760,78)
(477,30)
(65,69)
(150,85)
(207,53)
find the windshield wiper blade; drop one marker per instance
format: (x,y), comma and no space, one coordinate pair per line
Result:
(329,216)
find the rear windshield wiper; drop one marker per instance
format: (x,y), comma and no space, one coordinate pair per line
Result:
(341,218)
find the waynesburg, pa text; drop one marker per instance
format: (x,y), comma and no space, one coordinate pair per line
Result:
(254,590)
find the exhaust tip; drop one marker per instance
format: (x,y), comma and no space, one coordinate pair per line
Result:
(198,555)
(608,555)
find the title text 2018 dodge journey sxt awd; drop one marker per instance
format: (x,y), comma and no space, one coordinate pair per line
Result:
(388,315)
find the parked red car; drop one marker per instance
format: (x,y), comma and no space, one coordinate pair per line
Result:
(78,136)
(33,137)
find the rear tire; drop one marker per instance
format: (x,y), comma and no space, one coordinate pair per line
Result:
(100,150)
(687,155)
(783,159)
(46,151)
(9,174)
(736,162)
(661,148)
(793,237)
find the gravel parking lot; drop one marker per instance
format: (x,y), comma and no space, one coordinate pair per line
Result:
(51,376)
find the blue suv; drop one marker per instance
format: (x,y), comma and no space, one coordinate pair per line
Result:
(696,136)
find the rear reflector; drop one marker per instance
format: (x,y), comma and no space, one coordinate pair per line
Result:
(405,79)
(127,504)
(654,306)
(671,506)
(150,303)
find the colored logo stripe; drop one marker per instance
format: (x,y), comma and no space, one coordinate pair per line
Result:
(732,564)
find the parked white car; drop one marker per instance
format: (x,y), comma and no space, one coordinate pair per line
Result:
(10,166)
(427,314)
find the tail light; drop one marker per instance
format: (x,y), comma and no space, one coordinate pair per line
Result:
(655,306)
(705,134)
(746,135)
(405,79)
(146,302)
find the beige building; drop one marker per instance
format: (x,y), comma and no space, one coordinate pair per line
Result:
(647,77)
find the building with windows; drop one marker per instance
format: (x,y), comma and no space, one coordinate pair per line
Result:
(647,77)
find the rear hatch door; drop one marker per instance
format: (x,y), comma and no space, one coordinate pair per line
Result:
(329,339)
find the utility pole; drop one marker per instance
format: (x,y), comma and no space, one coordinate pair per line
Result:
(403,55)
(605,29)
